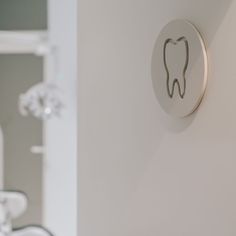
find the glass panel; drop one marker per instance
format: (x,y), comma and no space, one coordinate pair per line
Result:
(23,14)
(22,169)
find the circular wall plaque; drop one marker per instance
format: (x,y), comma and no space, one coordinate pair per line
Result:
(179,68)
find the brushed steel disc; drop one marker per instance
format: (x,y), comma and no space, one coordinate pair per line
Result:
(179,68)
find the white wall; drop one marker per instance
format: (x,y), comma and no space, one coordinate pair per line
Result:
(140,172)
(60,162)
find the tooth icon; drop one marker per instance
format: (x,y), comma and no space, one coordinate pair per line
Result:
(176,59)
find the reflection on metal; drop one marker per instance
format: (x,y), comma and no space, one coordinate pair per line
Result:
(179,68)
(175,79)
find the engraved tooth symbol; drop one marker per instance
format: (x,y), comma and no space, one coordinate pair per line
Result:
(176,58)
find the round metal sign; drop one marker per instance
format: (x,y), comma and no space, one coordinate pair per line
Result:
(179,68)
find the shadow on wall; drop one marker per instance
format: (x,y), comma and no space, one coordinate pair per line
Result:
(208,26)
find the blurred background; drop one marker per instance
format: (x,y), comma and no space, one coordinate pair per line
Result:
(38,110)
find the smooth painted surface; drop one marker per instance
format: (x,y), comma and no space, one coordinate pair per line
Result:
(140,172)
(60,163)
